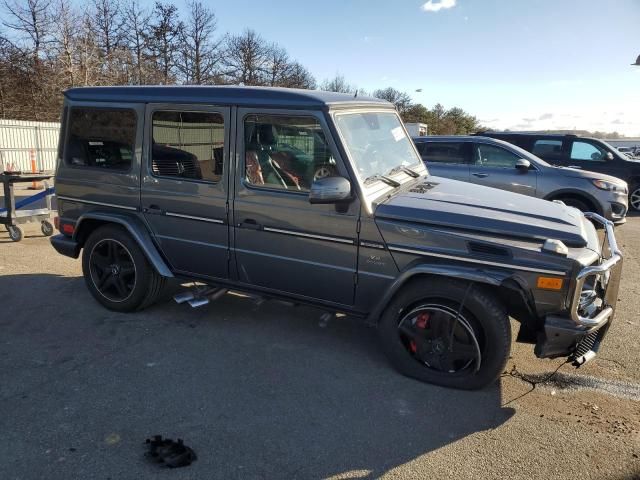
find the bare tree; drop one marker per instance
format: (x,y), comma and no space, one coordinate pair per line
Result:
(298,77)
(278,66)
(31,19)
(135,37)
(87,52)
(108,25)
(164,39)
(64,43)
(201,52)
(245,59)
(337,84)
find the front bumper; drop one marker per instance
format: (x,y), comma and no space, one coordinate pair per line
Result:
(592,306)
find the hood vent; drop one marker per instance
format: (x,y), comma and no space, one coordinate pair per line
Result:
(485,249)
(423,187)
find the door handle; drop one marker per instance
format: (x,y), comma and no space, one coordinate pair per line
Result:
(153,210)
(480,175)
(251,224)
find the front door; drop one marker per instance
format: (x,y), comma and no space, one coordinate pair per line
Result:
(282,242)
(185,186)
(589,155)
(495,167)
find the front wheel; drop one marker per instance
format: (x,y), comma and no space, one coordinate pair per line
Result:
(117,272)
(428,335)
(634,198)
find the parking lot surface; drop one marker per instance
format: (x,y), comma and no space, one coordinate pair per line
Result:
(270,391)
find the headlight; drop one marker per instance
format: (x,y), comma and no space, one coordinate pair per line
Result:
(610,186)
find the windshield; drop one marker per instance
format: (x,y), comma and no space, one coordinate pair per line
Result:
(376,143)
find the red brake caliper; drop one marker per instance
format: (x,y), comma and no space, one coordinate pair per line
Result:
(422,322)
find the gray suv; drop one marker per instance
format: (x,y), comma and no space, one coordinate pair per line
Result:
(499,164)
(322,198)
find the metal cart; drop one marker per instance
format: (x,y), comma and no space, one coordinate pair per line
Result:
(11,217)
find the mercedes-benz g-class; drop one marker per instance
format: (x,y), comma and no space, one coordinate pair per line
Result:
(322,198)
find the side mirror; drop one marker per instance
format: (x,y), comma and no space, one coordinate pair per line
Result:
(523,165)
(608,156)
(330,190)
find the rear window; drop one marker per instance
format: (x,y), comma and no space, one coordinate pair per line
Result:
(101,138)
(441,152)
(547,148)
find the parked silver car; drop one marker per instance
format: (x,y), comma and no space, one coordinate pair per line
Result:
(495,163)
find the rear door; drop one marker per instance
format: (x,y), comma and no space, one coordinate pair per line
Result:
(185,186)
(495,166)
(282,242)
(446,159)
(553,150)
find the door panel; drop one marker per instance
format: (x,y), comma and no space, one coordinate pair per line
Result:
(184,186)
(495,167)
(281,241)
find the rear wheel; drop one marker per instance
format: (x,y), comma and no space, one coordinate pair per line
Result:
(117,272)
(428,336)
(634,197)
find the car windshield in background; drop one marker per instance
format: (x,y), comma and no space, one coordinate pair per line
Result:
(378,145)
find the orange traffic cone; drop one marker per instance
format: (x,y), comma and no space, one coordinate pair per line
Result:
(34,169)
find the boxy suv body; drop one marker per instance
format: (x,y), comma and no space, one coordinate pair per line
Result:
(580,152)
(495,163)
(321,198)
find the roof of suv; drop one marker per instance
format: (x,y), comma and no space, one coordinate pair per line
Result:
(222,95)
(535,134)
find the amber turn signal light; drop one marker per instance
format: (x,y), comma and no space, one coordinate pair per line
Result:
(549,283)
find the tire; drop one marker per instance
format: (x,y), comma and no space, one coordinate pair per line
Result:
(577,203)
(15,233)
(46,228)
(634,198)
(117,272)
(483,317)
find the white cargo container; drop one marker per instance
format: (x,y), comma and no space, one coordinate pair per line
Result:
(417,129)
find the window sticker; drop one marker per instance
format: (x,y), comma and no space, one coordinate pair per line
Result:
(397,133)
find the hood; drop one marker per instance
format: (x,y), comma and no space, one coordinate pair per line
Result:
(465,206)
(587,174)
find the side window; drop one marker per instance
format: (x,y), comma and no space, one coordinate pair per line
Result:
(548,149)
(187,145)
(587,151)
(441,152)
(101,138)
(492,156)
(286,152)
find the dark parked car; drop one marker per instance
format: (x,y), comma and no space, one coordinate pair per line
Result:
(438,265)
(580,152)
(495,163)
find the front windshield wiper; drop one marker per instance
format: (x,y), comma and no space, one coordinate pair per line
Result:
(382,178)
(402,168)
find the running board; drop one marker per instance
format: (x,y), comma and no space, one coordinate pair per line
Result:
(199,298)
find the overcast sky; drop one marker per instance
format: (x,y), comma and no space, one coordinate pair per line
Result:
(518,64)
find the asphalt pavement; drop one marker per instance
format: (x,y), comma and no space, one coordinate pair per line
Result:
(272,392)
